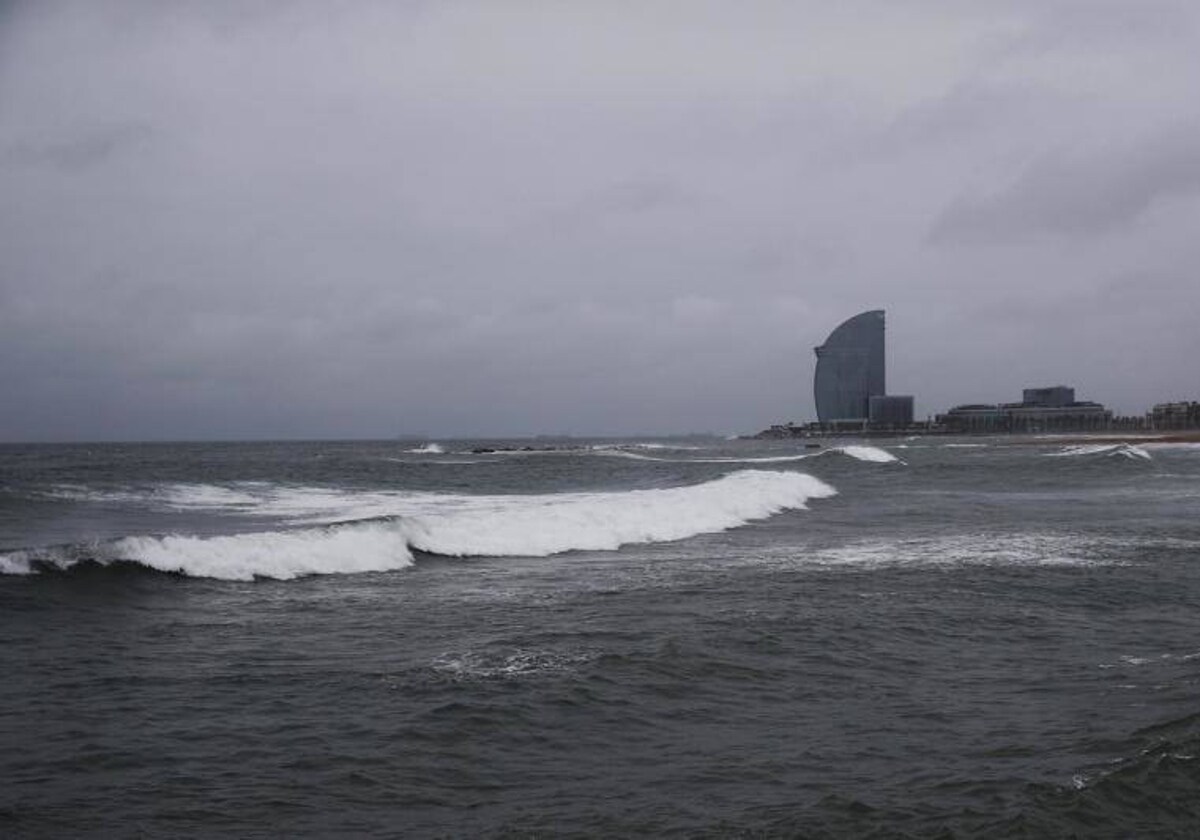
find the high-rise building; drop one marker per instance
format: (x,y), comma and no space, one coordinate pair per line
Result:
(850,369)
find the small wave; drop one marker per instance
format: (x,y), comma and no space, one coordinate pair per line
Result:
(871,454)
(1162,658)
(460,526)
(975,549)
(440,462)
(427,449)
(867,453)
(512,665)
(679,447)
(179,496)
(634,456)
(1150,792)
(1125,450)
(16,563)
(1173,446)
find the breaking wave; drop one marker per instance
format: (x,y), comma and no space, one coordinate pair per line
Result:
(872,454)
(599,447)
(867,453)
(457,526)
(1125,450)
(636,456)
(427,449)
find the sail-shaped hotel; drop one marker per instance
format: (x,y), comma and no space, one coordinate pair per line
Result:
(850,384)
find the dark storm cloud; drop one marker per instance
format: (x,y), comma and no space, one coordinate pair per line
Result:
(310,218)
(1063,194)
(90,148)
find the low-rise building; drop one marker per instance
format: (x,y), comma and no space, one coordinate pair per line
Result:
(891,412)
(1052,409)
(1176,415)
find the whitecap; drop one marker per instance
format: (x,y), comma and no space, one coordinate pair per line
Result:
(16,563)
(1125,450)
(872,454)
(427,449)
(773,459)
(459,525)
(867,453)
(971,549)
(544,525)
(370,547)
(1181,446)
(203,496)
(512,665)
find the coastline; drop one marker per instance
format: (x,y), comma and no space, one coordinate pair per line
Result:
(1014,438)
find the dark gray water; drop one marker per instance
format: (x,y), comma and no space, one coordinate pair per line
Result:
(353,639)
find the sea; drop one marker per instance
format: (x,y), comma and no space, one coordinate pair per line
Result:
(692,637)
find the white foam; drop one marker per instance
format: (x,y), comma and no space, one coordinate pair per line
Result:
(206,497)
(373,547)
(297,505)
(872,454)
(440,462)
(521,663)
(544,525)
(427,449)
(170,496)
(773,459)
(633,456)
(777,459)
(16,563)
(79,493)
(971,549)
(1182,446)
(461,526)
(867,453)
(644,445)
(1126,450)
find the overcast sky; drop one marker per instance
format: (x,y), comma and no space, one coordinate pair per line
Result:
(356,219)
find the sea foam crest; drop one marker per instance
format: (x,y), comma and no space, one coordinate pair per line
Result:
(427,449)
(867,453)
(543,525)
(969,549)
(465,526)
(856,451)
(1125,450)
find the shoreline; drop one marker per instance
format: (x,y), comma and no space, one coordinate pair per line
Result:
(1183,436)
(1015,438)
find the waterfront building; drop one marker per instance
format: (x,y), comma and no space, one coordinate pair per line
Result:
(890,411)
(1052,409)
(1177,415)
(1055,396)
(850,369)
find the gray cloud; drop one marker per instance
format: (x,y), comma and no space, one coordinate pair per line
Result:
(76,153)
(1087,195)
(313,219)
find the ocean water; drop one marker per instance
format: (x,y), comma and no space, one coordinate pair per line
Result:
(701,638)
